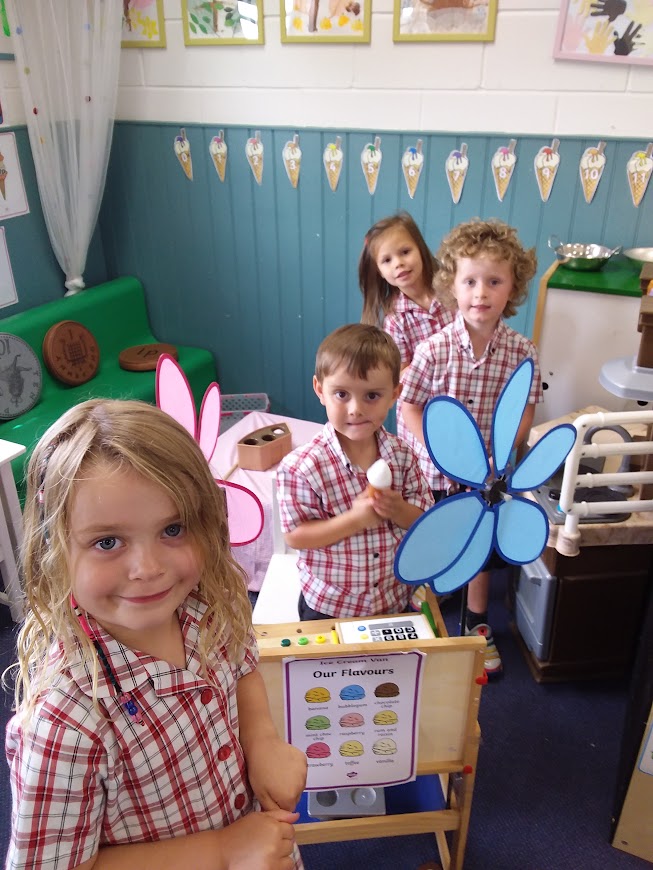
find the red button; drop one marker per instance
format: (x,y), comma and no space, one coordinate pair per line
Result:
(206,696)
(224,752)
(239,802)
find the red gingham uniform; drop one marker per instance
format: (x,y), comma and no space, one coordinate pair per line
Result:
(445,365)
(408,323)
(354,577)
(80,781)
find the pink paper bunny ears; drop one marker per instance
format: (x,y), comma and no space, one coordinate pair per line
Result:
(174,396)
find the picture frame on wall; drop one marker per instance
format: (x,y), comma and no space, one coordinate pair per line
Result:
(143,24)
(222,22)
(325,20)
(608,31)
(6,47)
(444,20)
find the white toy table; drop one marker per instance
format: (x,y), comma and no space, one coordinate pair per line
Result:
(11,530)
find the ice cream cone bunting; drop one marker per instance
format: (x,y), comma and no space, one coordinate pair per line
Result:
(592,164)
(182,150)
(218,151)
(503,166)
(456,168)
(547,161)
(412,164)
(639,170)
(254,152)
(371,158)
(332,159)
(292,159)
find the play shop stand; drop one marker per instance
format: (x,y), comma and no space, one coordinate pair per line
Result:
(387,713)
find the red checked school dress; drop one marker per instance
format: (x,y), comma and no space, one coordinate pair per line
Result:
(80,781)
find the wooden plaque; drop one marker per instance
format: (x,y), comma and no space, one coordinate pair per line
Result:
(144,357)
(71,353)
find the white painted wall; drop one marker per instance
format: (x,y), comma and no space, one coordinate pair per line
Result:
(510,86)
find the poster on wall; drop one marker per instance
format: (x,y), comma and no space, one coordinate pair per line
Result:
(610,31)
(143,24)
(325,20)
(222,22)
(8,293)
(444,20)
(13,199)
(6,48)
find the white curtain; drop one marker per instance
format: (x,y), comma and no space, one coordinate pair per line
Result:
(68,57)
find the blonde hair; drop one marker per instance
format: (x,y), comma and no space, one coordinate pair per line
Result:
(360,348)
(478,238)
(379,296)
(121,435)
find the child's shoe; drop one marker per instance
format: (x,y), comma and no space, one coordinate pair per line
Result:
(493,665)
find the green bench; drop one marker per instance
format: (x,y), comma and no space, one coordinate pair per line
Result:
(115,313)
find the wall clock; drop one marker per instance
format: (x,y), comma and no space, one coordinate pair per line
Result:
(20,376)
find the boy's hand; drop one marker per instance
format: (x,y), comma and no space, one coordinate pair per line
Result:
(388,504)
(277,773)
(261,840)
(363,511)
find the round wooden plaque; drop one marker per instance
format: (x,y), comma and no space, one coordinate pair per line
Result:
(71,352)
(144,357)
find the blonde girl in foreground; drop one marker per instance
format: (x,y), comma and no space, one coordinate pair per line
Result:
(142,733)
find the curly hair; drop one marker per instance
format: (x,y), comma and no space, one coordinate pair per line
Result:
(108,435)
(379,296)
(480,238)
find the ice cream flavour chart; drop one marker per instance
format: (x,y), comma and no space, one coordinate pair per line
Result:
(355,718)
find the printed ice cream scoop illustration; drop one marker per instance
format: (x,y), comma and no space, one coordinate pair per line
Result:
(318,695)
(456,168)
(254,153)
(547,161)
(592,164)
(351,748)
(638,168)
(412,164)
(318,750)
(379,476)
(386,690)
(503,166)
(371,158)
(317,723)
(385,717)
(352,693)
(332,159)
(385,746)
(182,150)
(351,720)
(292,159)
(218,151)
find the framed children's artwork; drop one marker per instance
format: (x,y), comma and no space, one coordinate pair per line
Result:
(610,31)
(13,199)
(444,20)
(6,48)
(325,20)
(8,293)
(143,24)
(222,22)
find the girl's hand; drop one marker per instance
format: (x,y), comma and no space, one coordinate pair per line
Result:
(261,840)
(277,773)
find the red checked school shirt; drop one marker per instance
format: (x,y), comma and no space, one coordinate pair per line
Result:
(354,577)
(80,781)
(445,365)
(409,324)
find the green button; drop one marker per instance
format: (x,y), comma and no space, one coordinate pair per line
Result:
(285,642)
(302,641)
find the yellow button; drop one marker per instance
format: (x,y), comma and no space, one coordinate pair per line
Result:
(364,636)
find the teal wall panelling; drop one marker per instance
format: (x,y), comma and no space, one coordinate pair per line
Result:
(260,274)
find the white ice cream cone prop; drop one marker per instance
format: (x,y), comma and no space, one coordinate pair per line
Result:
(182,150)
(218,151)
(292,159)
(546,163)
(3,177)
(379,476)
(332,159)
(456,169)
(503,166)
(254,153)
(639,170)
(412,164)
(592,164)
(371,158)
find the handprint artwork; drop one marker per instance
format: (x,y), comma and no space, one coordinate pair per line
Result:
(616,31)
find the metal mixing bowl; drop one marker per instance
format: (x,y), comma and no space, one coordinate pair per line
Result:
(583,258)
(639,255)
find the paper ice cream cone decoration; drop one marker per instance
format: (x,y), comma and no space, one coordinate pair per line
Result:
(379,476)
(503,166)
(292,159)
(3,177)
(412,164)
(547,161)
(218,151)
(254,152)
(332,159)
(638,168)
(371,158)
(456,168)
(592,164)
(182,150)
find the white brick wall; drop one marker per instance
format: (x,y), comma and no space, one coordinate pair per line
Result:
(512,85)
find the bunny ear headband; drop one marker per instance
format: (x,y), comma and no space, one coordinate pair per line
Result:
(174,396)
